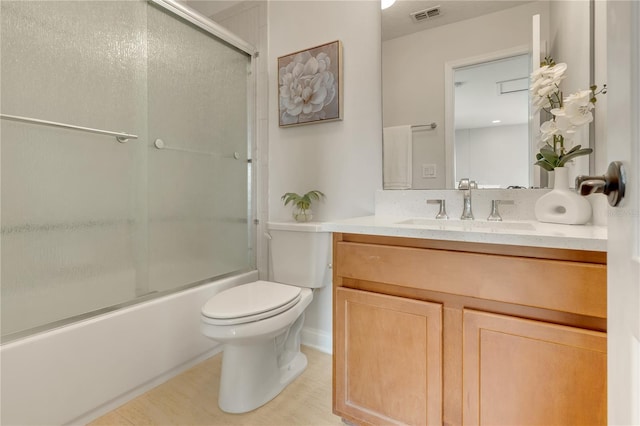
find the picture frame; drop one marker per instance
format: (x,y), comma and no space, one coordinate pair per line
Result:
(310,85)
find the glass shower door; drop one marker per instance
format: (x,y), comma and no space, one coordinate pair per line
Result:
(90,223)
(198,152)
(69,196)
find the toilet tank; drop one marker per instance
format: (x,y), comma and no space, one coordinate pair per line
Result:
(300,254)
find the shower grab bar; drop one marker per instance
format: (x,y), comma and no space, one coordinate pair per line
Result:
(120,137)
(431,126)
(159,143)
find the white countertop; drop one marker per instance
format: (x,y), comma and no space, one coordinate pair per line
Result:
(521,233)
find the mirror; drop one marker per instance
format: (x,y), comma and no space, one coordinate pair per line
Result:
(429,48)
(491,121)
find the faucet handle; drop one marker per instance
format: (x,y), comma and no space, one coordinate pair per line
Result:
(495,214)
(442,214)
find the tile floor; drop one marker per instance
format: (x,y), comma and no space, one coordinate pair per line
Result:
(191,399)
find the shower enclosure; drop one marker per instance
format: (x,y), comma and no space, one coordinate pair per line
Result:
(126,157)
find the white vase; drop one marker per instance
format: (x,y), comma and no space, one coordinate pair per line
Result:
(562,205)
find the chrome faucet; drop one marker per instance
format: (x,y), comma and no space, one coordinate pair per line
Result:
(466,186)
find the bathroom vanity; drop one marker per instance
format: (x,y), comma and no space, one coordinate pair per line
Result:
(457,324)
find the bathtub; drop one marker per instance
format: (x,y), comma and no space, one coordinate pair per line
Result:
(76,373)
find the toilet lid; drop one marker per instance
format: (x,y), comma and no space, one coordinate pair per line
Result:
(250,302)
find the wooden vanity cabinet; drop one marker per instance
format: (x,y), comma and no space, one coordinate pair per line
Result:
(438,332)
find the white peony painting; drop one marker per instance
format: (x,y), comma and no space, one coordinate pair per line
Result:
(310,85)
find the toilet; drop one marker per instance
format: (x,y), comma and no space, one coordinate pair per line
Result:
(259,323)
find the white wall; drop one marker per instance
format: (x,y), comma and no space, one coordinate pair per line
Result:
(343,159)
(569,34)
(600,78)
(428,149)
(493,155)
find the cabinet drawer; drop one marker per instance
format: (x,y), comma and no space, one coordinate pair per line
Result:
(559,285)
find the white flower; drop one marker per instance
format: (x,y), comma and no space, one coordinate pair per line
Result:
(547,78)
(568,114)
(306,87)
(547,130)
(544,83)
(562,122)
(576,112)
(540,103)
(536,74)
(578,108)
(559,126)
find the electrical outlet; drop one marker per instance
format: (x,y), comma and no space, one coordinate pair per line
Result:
(429,171)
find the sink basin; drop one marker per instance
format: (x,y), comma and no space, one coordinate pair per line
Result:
(469,224)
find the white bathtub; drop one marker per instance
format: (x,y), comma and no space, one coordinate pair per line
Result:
(74,374)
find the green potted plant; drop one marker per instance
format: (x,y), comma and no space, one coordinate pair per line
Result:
(302,204)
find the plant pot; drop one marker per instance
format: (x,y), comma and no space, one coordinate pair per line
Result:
(562,205)
(302,215)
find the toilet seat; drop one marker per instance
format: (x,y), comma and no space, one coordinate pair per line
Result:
(250,302)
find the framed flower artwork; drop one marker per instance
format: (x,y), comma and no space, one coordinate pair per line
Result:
(310,85)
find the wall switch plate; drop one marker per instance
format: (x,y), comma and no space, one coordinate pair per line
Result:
(429,171)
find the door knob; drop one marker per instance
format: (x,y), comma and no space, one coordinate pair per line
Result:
(612,184)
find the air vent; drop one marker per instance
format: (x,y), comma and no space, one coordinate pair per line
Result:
(513,86)
(421,15)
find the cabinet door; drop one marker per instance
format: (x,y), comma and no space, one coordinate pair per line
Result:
(388,359)
(523,372)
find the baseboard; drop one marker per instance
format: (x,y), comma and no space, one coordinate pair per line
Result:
(317,339)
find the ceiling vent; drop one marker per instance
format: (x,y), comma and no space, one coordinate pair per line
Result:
(421,15)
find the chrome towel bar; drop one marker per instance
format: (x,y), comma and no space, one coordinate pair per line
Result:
(430,125)
(159,143)
(120,137)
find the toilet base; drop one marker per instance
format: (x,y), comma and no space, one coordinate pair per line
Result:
(251,377)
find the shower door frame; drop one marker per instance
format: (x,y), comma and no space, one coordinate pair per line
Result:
(206,24)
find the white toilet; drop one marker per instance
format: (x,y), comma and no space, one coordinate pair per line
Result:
(259,323)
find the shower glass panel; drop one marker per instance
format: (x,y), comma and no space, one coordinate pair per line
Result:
(198,181)
(89,224)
